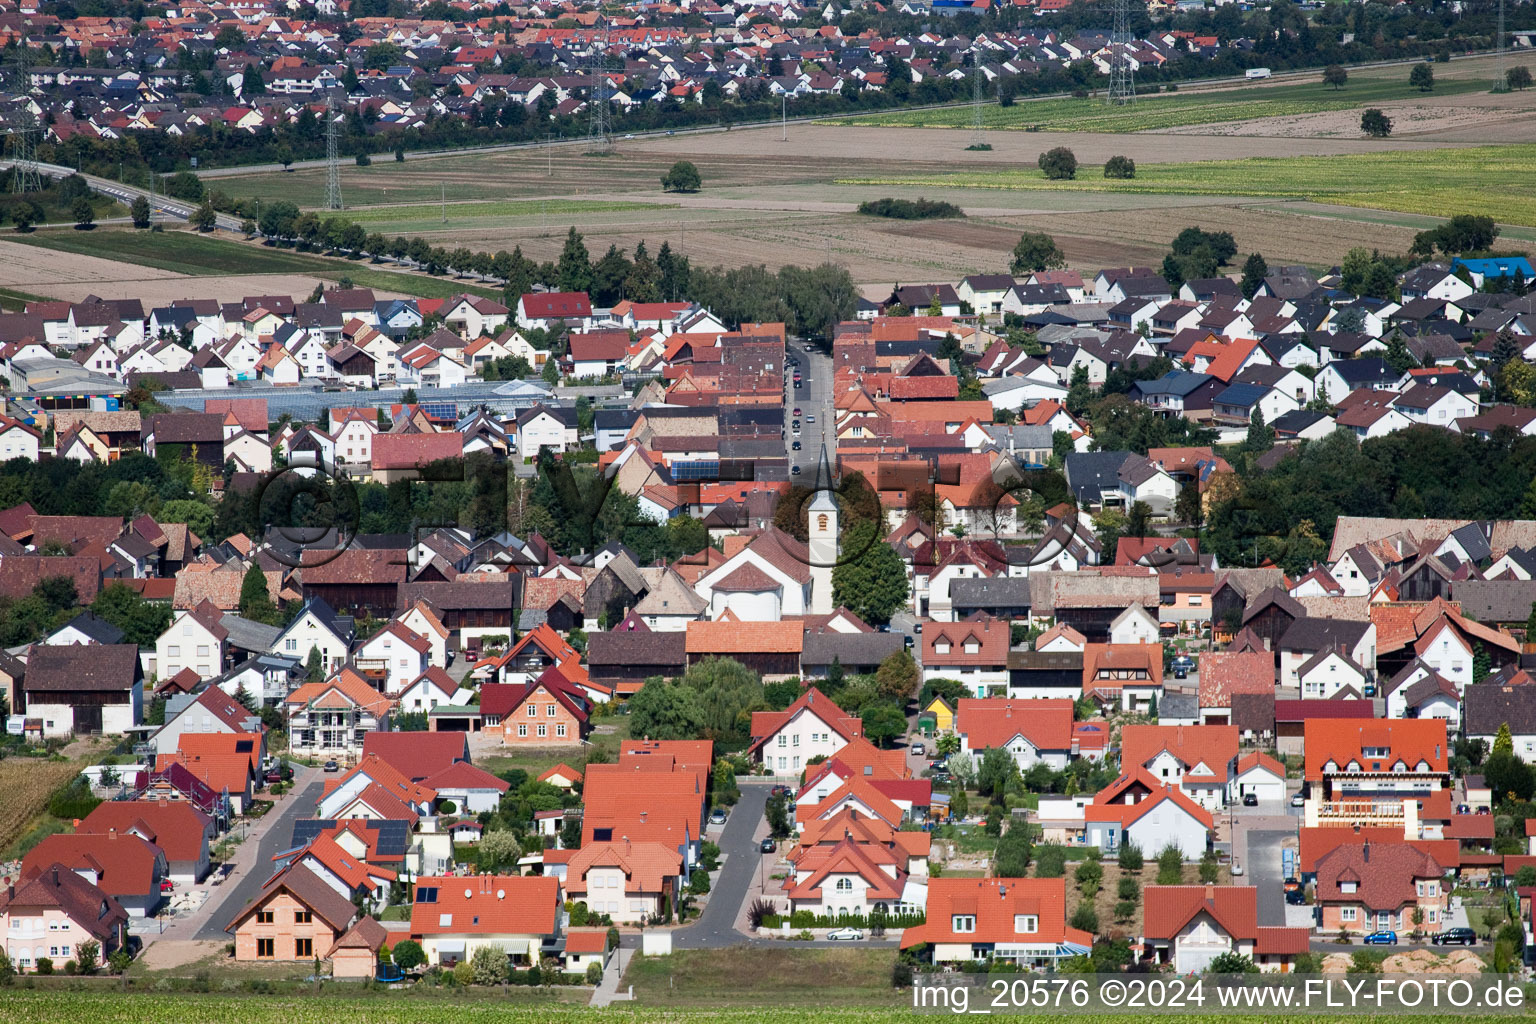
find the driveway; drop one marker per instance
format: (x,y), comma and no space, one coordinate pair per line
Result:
(1264,871)
(269,837)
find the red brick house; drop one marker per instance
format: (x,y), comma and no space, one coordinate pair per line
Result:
(1370,887)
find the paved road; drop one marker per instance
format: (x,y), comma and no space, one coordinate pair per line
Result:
(126,194)
(1263,865)
(248,882)
(716,927)
(812,398)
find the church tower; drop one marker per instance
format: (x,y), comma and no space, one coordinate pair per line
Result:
(822,533)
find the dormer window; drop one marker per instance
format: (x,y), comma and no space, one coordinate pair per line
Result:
(1348,887)
(942,647)
(1026,924)
(972,647)
(963,923)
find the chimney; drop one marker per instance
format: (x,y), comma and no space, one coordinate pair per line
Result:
(1210,893)
(1365,852)
(55,874)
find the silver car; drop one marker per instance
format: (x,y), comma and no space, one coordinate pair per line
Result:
(845,934)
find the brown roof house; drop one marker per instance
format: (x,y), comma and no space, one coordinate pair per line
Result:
(297,916)
(95,689)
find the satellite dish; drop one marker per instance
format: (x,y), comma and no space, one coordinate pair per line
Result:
(468,893)
(501,894)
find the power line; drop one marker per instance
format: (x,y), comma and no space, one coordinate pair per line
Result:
(332,159)
(978,133)
(1122,80)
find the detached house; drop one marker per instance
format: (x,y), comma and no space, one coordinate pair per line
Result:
(1032,731)
(1369,887)
(1019,920)
(1199,759)
(974,651)
(331,718)
(50,913)
(813,726)
(520,916)
(1189,926)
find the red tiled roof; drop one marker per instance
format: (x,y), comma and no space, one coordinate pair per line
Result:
(727,638)
(995,721)
(175,826)
(1168,908)
(766,723)
(1215,746)
(996,904)
(1410,741)
(1384,873)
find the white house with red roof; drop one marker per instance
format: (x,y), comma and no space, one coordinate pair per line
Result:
(813,726)
(393,658)
(850,877)
(1136,808)
(541,310)
(1020,920)
(1199,759)
(974,651)
(629,881)
(472,790)
(1188,926)
(1032,731)
(519,915)
(764,581)
(433,688)
(1261,775)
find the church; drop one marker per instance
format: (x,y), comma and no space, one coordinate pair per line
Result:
(776,575)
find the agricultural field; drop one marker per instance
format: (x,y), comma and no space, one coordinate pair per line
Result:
(27,783)
(1478,180)
(1161,111)
(745,976)
(154,266)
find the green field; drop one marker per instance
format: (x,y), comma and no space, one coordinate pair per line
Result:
(744,976)
(185,252)
(1434,182)
(1172,110)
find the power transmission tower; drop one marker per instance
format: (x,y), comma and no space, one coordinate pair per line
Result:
(1499,82)
(24,129)
(1122,81)
(332,162)
(978,133)
(599,135)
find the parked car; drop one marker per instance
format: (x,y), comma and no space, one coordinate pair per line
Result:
(779,791)
(1380,939)
(1250,799)
(717,816)
(1237,869)
(919,749)
(768,845)
(1181,673)
(797,410)
(1296,897)
(282,773)
(845,934)
(1455,937)
(811,418)
(1298,801)
(332,766)
(166,885)
(794,471)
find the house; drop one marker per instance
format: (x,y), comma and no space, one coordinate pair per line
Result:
(392,658)
(1189,926)
(847,875)
(125,866)
(974,651)
(1127,676)
(1019,920)
(541,310)
(1333,673)
(1153,816)
(1199,759)
(546,426)
(1261,775)
(295,917)
(549,710)
(355,956)
(521,916)
(179,830)
(471,790)
(631,882)
(1418,691)
(195,639)
(416,755)
(473,315)
(1490,705)
(80,689)
(317,627)
(1032,731)
(1368,887)
(212,710)
(813,726)
(331,718)
(1309,636)
(648,800)
(50,913)
(405,456)
(375,790)
(227,762)
(428,690)
(1359,766)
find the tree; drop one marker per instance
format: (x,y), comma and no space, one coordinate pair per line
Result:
(1530,625)
(874,584)
(1170,866)
(997,769)
(574,268)
(489,966)
(726,691)
(683,177)
(1085,918)
(1036,251)
(1013,854)
(663,711)
(408,954)
(1058,164)
(1503,743)
(1138,520)
(778,816)
(88,956)
(1255,270)
(1130,858)
(255,601)
(1422,77)
(314,665)
(1335,75)
(283,154)
(1261,436)
(204,218)
(184,185)
(1518,77)
(1232,963)
(84,214)
(140,212)
(897,676)
(882,723)
(1375,124)
(1120,167)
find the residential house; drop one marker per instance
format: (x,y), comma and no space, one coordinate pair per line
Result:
(1199,759)
(1370,887)
(1032,731)
(295,917)
(1189,926)
(1019,920)
(51,913)
(519,915)
(332,717)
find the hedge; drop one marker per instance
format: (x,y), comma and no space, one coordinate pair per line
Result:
(806,919)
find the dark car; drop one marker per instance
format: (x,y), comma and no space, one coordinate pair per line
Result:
(794,471)
(1250,799)
(1181,673)
(768,846)
(282,773)
(1296,898)
(795,447)
(332,766)
(1455,937)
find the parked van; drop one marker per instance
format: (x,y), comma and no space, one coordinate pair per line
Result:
(1258,72)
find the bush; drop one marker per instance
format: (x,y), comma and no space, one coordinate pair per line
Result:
(1059,164)
(1128,888)
(1085,918)
(364,160)
(488,966)
(910,209)
(1130,858)
(698,883)
(613,938)
(408,954)
(594,974)
(1120,167)
(44,965)
(1125,910)
(1170,866)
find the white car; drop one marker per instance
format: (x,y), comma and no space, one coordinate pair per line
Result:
(1237,869)
(845,934)
(629,136)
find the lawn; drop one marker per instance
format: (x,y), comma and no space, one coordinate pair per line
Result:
(1433,182)
(197,255)
(611,732)
(1171,110)
(13,301)
(746,976)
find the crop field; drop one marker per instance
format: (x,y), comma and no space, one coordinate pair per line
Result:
(196,255)
(420,218)
(60,1006)
(1442,182)
(1161,111)
(748,976)
(27,783)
